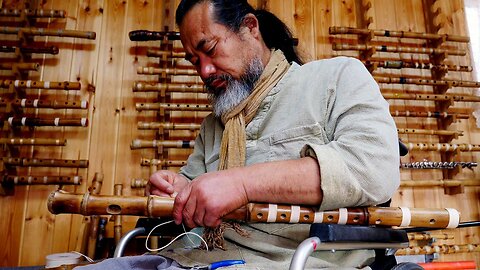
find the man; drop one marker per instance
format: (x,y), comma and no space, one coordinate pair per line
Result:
(314,134)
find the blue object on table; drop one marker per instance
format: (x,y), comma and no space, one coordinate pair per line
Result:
(219,264)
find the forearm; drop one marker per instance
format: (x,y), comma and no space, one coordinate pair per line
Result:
(290,181)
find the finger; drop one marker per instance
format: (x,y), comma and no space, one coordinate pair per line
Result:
(198,217)
(188,213)
(179,204)
(160,193)
(161,182)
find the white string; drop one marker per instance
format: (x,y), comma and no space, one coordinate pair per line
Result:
(83,255)
(173,240)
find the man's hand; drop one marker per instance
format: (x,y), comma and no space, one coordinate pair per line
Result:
(205,200)
(166,183)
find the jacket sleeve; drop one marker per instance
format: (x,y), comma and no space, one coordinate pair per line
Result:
(359,166)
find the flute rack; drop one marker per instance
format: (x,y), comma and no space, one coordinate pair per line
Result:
(30,113)
(400,59)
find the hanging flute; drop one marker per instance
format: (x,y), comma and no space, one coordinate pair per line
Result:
(442,249)
(36,49)
(172,106)
(155,206)
(432,97)
(41,180)
(139,144)
(454,133)
(138,183)
(168,126)
(41,84)
(166,71)
(50,104)
(33,141)
(41,122)
(440,183)
(146,35)
(395,49)
(159,162)
(334,30)
(417,81)
(437,165)
(168,87)
(399,64)
(429,236)
(429,114)
(20,66)
(37,162)
(443,147)
(36,13)
(168,54)
(32,31)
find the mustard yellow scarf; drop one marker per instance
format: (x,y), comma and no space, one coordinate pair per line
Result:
(233,147)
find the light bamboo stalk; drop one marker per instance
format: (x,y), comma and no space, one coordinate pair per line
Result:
(139,144)
(432,97)
(117,220)
(429,132)
(10,30)
(37,13)
(168,126)
(166,71)
(20,66)
(33,141)
(440,183)
(443,147)
(41,84)
(429,114)
(35,162)
(42,180)
(442,249)
(51,104)
(418,81)
(399,64)
(172,106)
(168,87)
(395,49)
(429,236)
(168,54)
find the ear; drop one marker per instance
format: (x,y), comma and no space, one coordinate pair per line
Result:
(251,23)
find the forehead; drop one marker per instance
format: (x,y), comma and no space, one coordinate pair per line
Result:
(198,25)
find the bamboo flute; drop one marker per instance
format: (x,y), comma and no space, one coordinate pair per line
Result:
(42,180)
(20,66)
(442,249)
(32,31)
(38,13)
(429,236)
(50,104)
(438,165)
(36,49)
(160,162)
(432,97)
(168,54)
(443,147)
(92,230)
(335,30)
(168,126)
(172,106)
(41,84)
(399,64)
(146,35)
(155,206)
(417,81)
(395,49)
(138,183)
(166,71)
(33,141)
(139,144)
(428,114)
(117,220)
(440,183)
(36,162)
(429,132)
(168,87)
(55,122)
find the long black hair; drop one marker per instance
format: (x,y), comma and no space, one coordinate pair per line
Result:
(231,13)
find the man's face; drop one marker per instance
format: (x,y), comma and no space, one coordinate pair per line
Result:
(219,55)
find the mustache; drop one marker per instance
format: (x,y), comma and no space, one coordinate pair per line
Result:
(212,78)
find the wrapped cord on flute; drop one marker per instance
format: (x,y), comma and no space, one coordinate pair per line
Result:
(155,206)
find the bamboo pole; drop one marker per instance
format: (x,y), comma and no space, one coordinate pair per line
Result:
(440,183)
(336,30)
(155,206)
(41,84)
(168,54)
(432,97)
(429,236)
(429,114)
(117,220)
(443,147)
(42,180)
(399,64)
(438,165)
(418,81)
(55,122)
(442,249)
(145,35)
(37,13)
(35,162)
(32,31)
(92,230)
(166,71)
(395,49)
(168,87)
(37,49)
(168,126)
(430,132)
(50,104)
(20,66)
(33,141)
(139,144)
(172,106)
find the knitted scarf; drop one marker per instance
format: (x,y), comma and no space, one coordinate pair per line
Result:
(233,146)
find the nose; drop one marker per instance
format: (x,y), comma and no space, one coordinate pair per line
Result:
(206,68)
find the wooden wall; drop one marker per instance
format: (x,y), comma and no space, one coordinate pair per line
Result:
(106,68)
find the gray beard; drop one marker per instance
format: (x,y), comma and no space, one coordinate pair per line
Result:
(236,90)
